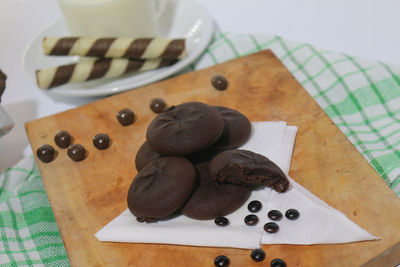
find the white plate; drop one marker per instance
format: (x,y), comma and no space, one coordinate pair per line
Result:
(182,18)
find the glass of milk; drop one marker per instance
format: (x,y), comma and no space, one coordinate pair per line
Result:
(112,18)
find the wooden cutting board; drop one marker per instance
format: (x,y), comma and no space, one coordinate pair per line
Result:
(87,195)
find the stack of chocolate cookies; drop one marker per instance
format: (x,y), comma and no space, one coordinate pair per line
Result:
(190,164)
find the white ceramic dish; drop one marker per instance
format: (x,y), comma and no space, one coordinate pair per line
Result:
(182,18)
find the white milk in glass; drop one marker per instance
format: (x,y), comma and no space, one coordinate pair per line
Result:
(110,18)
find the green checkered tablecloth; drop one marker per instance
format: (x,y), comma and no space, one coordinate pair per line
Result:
(361,96)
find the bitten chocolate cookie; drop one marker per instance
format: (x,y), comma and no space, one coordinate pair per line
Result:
(185,129)
(246,167)
(144,155)
(211,199)
(237,128)
(161,187)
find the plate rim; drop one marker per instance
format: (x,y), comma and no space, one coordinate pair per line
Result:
(166,73)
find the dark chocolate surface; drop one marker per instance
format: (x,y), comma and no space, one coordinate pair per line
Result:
(62,139)
(126,117)
(275,215)
(157,105)
(237,128)
(77,152)
(249,168)
(64,46)
(258,255)
(251,219)
(101,141)
(144,155)
(63,75)
(292,214)
(219,82)
(271,227)
(222,261)
(211,199)
(254,206)
(221,221)
(185,129)
(161,187)
(45,153)
(278,263)
(174,49)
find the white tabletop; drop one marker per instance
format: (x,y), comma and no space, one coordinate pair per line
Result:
(367,28)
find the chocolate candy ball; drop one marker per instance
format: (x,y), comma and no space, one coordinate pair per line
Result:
(126,117)
(219,82)
(157,105)
(222,261)
(278,263)
(258,255)
(62,139)
(221,221)
(292,214)
(251,220)
(77,152)
(254,206)
(101,141)
(275,215)
(271,227)
(45,153)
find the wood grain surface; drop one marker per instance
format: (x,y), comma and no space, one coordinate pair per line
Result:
(87,195)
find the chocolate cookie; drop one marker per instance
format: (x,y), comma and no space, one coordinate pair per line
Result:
(204,155)
(237,128)
(211,199)
(161,187)
(144,155)
(246,167)
(185,129)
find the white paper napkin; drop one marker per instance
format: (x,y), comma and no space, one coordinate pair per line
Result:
(318,223)
(274,140)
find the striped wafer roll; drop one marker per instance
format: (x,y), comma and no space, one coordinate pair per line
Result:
(138,48)
(94,69)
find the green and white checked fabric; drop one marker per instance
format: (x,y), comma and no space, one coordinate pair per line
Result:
(29,235)
(361,96)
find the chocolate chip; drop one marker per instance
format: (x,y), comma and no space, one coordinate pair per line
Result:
(271,227)
(275,215)
(219,82)
(254,206)
(258,255)
(221,221)
(278,263)
(62,139)
(222,261)
(101,141)
(251,220)
(292,214)
(157,105)
(126,116)
(45,153)
(77,152)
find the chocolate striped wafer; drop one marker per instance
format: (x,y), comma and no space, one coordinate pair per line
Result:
(94,69)
(138,48)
